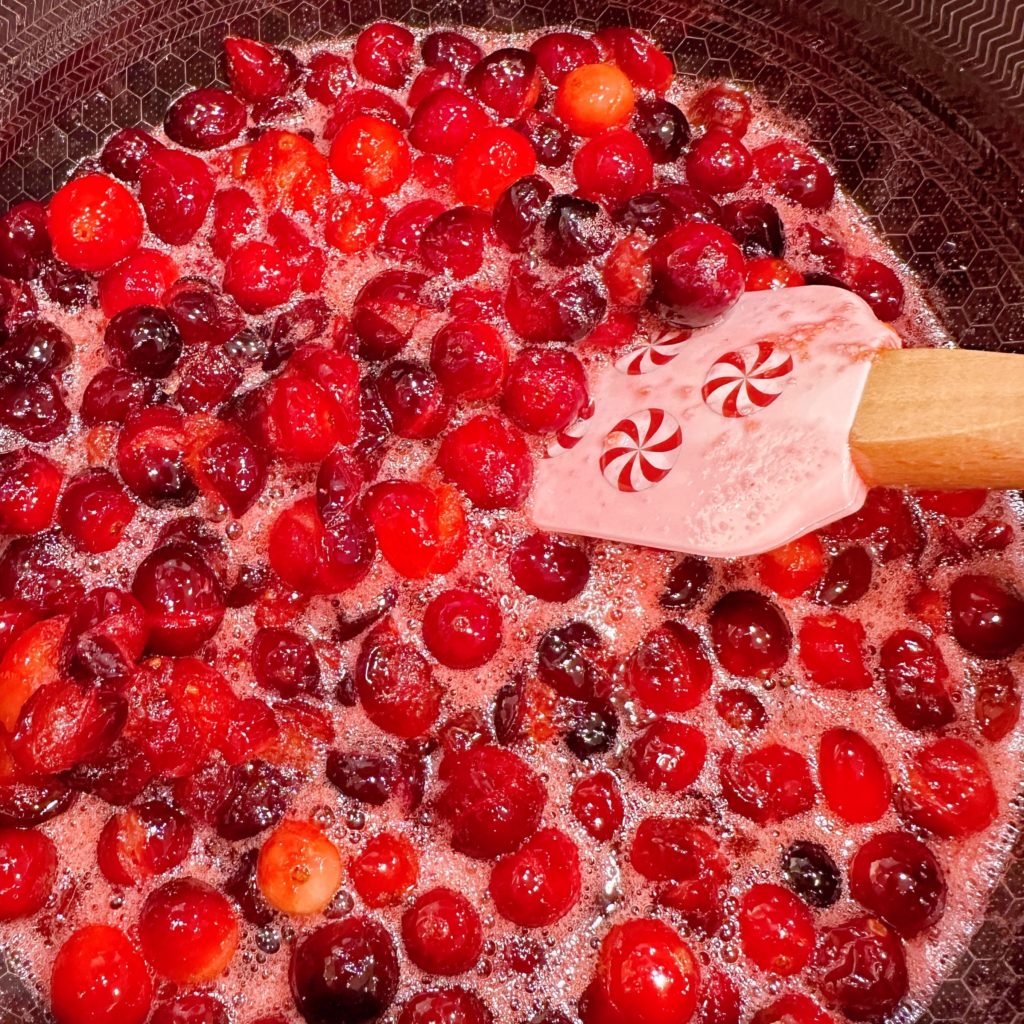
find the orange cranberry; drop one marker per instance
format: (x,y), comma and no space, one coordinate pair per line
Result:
(299,868)
(372,153)
(594,97)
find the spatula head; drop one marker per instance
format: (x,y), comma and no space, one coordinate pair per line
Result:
(729,441)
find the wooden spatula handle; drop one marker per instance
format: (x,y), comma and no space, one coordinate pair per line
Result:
(942,418)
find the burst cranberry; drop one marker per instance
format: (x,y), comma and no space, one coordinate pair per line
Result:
(386,311)
(987,616)
(328,77)
(776,929)
(613,166)
(741,710)
(691,873)
(99,976)
(794,568)
(488,459)
(188,931)
(809,870)
(878,285)
(453,242)
(176,190)
(299,868)
(462,628)
(997,702)
(284,662)
(16,615)
(31,658)
(668,756)
(718,163)
(442,932)
(668,671)
(470,359)
(371,153)
(344,970)
(597,805)
(141,842)
(204,119)
(539,883)
(697,274)
(421,530)
(253,798)
(647,974)
(832,652)
(28,868)
(859,966)
(847,578)
(885,519)
(93,222)
(445,121)
(854,778)
(95,511)
(384,53)
(34,408)
(489,163)
(541,311)
(766,274)
(771,783)
(447,49)
(36,569)
(949,790)
(366,778)
(758,230)
(17,304)
(29,485)
(24,241)
(257,71)
(290,173)
(725,106)
(750,634)
(914,674)
(385,870)
(549,568)
(796,173)
(568,660)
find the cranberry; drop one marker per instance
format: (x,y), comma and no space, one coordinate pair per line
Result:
(796,173)
(697,274)
(367,778)
(776,929)
(488,459)
(811,873)
(404,229)
(550,139)
(99,976)
(28,868)
(668,671)
(141,842)
(593,731)
(176,190)
(567,661)
(718,162)
(663,127)
(17,304)
(204,119)
(987,617)
(691,873)
(521,209)
(792,1008)
(372,153)
(258,277)
(71,289)
(914,674)
(192,1008)
(597,805)
(383,54)
(93,222)
(565,310)
(996,702)
(453,242)
(765,273)
(139,280)
(770,783)
(328,77)
(24,804)
(448,49)
(794,568)
(442,933)
(414,399)
(613,167)
(741,710)
(539,883)
(859,966)
(257,71)
(725,106)
(757,228)
(668,756)
(878,285)
(144,340)
(558,53)
(16,616)
(29,485)
(949,790)
(646,972)
(832,652)
(846,579)
(470,359)
(202,314)
(576,231)
(686,583)
(24,241)
(95,511)
(549,568)
(506,81)
(462,628)
(489,163)
(385,871)
(854,778)
(386,311)
(445,121)
(750,634)
(885,519)
(126,151)
(35,569)
(285,662)
(546,390)
(299,869)
(344,970)
(645,63)
(255,799)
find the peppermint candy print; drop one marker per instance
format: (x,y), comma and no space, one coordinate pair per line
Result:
(641,450)
(572,434)
(746,380)
(661,348)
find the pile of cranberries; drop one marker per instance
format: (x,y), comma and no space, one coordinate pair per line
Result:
(301,718)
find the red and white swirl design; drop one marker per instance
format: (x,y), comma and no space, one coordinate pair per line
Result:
(641,450)
(661,348)
(746,380)
(572,434)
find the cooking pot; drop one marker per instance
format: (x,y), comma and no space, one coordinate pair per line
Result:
(919,106)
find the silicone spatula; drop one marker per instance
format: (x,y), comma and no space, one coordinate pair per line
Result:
(746,434)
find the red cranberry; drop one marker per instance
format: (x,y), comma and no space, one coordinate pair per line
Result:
(691,873)
(203,315)
(757,228)
(99,975)
(470,359)
(24,241)
(724,106)
(71,289)
(94,222)
(854,779)
(414,399)
(846,579)
(33,408)
(141,842)
(565,310)
(204,119)
(488,459)
(546,390)
(697,274)
(105,636)
(613,167)
(549,568)
(448,49)
(887,520)
(550,139)
(338,482)
(539,883)
(914,674)
(643,61)
(328,77)
(234,217)
(384,53)
(663,127)
(558,53)
(385,870)
(29,485)
(878,285)
(192,1008)
(258,278)
(859,966)
(776,929)
(668,756)
(255,798)
(520,210)
(28,868)
(832,652)
(445,120)
(144,340)
(176,190)
(16,615)
(809,870)
(771,783)
(140,280)
(188,931)
(597,805)
(24,804)
(741,710)
(453,242)
(645,972)
(462,628)
(344,970)
(669,672)
(949,790)
(445,1006)
(792,1008)
(404,229)
(442,932)
(257,71)
(791,570)
(750,634)
(95,511)
(718,162)
(386,310)
(35,569)
(796,173)
(506,81)
(568,661)
(996,702)
(284,662)
(987,617)
(127,151)
(686,583)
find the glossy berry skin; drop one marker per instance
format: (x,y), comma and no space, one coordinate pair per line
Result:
(258,277)
(770,783)
(299,869)
(28,869)
(549,568)
(560,53)
(594,97)
(256,71)
(445,1006)
(750,634)
(143,340)
(796,173)
(385,870)
(718,163)
(462,628)
(29,485)
(448,49)
(832,652)
(99,978)
(204,119)
(987,617)
(613,166)
(506,81)
(809,870)
(776,929)
(724,106)
(488,460)
(24,241)
(792,1008)
(371,153)
(596,804)
(489,163)
(854,779)
(997,702)
(453,242)
(470,359)
(441,932)
(140,280)
(546,390)
(383,54)
(93,222)
(126,151)
(669,671)
(539,883)
(668,756)
(915,676)
(176,190)
(877,284)
(141,842)
(188,931)
(445,121)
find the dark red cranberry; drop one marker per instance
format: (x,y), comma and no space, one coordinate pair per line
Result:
(33,408)
(987,617)
(284,662)
(551,140)
(366,102)
(127,151)
(453,242)
(653,213)
(384,53)
(576,231)
(878,285)
(558,53)
(404,229)
(487,458)
(305,322)
(445,120)
(520,210)
(568,661)
(809,870)
(151,458)
(328,77)
(541,311)
(258,72)
(846,579)
(24,804)
(593,731)
(750,634)
(506,81)
(338,482)
(255,799)
(546,390)
(642,60)
(687,583)
(204,119)
(70,288)
(915,676)
(440,1005)
(723,105)
(367,778)
(192,1008)
(24,241)
(796,173)
(344,971)
(385,311)
(448,49)
(741,710)
(206,379)
(17,304)
(36,569)
(756,226)
(442,933)
(470,359)
(176,190)
(95,511)
(771,783)
(663,127)
(549,568)
(414,399)
(144,340)
(691,203)
(859,967)
(202,313)
(462,628)
(895,876)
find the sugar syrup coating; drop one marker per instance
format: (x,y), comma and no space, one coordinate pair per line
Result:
(912,550)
